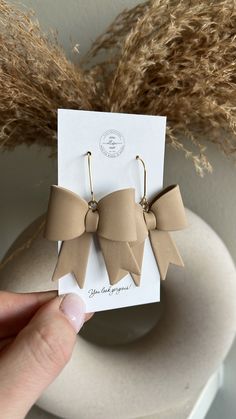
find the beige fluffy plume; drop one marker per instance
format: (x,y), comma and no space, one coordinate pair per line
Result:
(163,57)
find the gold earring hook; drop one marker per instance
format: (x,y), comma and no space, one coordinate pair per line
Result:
(144,201)
(93,203)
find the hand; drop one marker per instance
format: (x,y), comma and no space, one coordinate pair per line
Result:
(37,336)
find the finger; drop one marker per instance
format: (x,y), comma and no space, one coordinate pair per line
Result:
(5,342)
(39,353)
(17,309)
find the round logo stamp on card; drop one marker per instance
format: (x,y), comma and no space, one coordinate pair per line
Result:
(112,143)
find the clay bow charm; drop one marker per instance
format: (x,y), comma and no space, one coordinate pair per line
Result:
(165,214)
(71,220)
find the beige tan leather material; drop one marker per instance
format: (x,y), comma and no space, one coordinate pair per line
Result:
(70,220)
(73,257)
(117,216)
(118,256)
(169,210)
(65,215)
(165,214)
(122,228)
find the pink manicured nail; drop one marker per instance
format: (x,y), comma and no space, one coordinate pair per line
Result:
(74,309)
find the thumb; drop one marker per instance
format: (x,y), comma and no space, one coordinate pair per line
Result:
(38,354)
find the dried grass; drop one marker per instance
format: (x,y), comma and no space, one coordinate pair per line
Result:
(36,79)
(164,57)
(174,58)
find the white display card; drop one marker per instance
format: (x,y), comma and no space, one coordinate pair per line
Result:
(114,140)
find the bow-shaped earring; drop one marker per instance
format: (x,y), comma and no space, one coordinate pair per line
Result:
(72,220)
(166,213)
(121,227)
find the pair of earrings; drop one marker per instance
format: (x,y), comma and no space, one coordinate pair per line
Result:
(121,225)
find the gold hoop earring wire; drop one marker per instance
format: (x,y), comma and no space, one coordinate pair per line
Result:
(144,201)
(92,203)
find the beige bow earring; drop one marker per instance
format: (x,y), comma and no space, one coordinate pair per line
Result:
(72,220)
(166,213)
